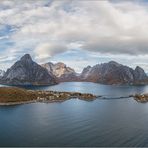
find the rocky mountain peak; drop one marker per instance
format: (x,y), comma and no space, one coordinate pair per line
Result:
(138,68)
(58,69)
(139,73)
(86,70)
(60,65)
(61,71)
(113,63)
(27,72)
(113,73)
(88,67)
(26,57)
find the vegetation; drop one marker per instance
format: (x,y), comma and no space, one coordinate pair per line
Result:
(141,98)
(13,94)
(18,95)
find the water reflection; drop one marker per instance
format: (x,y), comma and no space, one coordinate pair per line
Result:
(114,122)
(98,89)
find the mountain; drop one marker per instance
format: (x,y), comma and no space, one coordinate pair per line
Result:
(85,73)
(61,71)
(106,73)
(27,72)
(2,72)
(113,73)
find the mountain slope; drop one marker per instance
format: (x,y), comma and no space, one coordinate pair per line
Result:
(61,71)
(27,72)
(113,73)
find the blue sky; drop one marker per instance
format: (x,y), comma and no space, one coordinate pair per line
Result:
(78,33)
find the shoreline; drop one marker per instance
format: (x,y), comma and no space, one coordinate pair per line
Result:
(142,98)
(35,101)
(17,103)
(17,96)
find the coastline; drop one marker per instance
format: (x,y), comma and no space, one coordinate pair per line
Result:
(17,103)
(142,98)
(35,101)
(18,96)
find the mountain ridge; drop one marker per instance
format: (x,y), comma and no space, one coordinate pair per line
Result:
(61,71)
(114,73)
(26,71)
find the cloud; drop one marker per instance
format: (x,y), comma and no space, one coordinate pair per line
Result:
(48,28)
(46,50)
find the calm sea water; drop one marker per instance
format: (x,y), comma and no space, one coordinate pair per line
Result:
(111,122)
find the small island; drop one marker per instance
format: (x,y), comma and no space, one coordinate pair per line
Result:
(143,98)
(14,95)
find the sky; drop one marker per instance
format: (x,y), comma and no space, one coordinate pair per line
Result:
(78,33)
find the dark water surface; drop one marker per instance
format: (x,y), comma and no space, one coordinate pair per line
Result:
(111,122)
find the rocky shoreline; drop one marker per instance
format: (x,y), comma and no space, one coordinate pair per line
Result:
(143,98)
(15,96)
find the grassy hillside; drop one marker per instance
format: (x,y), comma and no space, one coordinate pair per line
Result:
(13,94)
(18,95)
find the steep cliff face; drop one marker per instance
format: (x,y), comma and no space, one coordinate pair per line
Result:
(27,72)
(61,71)
(85,73)
(139,74)
(106,73)
(113,73)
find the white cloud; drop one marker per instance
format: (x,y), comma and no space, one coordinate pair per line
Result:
(48,28)
(4,37)
(46,50)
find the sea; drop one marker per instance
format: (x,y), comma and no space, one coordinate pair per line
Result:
(112,120)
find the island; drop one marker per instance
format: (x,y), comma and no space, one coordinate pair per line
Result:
(143,98)
(15,95)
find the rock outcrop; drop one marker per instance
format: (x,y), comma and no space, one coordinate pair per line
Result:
(85,73)
(61,72)
(139,74)
(106,73)
(143,98)
(27,72)
(113,73)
